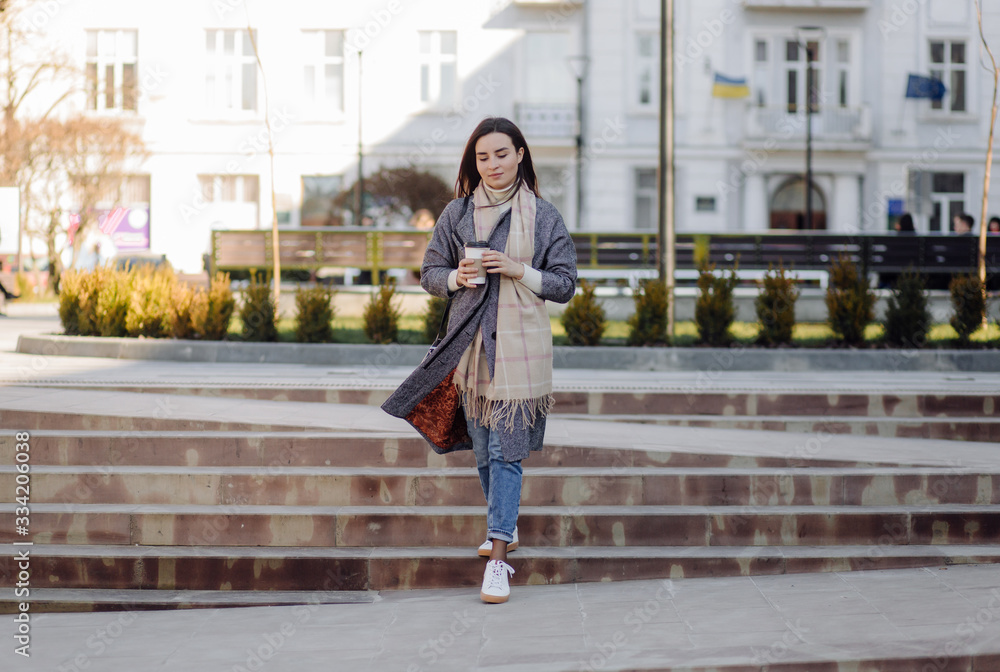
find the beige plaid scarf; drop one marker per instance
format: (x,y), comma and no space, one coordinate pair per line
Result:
(522,382)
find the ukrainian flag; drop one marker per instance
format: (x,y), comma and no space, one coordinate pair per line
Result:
(729,87)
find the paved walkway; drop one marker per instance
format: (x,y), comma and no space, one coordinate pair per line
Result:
(922,614)
(939,616)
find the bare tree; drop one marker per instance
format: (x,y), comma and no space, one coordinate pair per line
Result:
(23,69)
(993,69)
(402,191)
(275,243)
(62,162)
(86,164)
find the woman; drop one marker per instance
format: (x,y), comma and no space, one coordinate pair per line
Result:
(459,398)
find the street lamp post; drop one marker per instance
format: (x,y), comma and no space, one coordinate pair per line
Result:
(360,196)
(809,137)
(666,239)
(811,100)
(578,64)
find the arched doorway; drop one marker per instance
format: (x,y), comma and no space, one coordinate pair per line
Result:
(788,206)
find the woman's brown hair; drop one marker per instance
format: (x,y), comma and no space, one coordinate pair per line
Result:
(468,174)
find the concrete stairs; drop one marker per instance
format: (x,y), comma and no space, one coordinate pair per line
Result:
(973,416)
(166,512)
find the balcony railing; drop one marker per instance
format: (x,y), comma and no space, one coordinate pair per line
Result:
(823,5)
(546,120)
(829,123)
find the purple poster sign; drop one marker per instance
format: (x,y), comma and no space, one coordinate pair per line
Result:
(127,227)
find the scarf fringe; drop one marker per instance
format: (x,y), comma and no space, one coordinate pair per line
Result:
(504,413)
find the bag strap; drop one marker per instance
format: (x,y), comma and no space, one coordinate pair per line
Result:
(447,308)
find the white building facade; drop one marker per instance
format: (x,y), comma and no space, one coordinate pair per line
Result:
(186,76)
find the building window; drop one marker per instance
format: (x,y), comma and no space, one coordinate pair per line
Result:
(645,199)
(318,194)
(797,72)
(323,81)
(647,69)
(762,72)
(947,200)
(843,72)
(112,57)
(760,51)
(948,65)
(438,66)
(704,204)
(231,71)
(230,188)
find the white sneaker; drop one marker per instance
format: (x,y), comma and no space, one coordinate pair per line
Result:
(487,548)
(496,588)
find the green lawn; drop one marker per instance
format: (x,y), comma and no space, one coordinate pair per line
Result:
(807,335)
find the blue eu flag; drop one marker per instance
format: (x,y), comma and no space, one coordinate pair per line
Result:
(925,87)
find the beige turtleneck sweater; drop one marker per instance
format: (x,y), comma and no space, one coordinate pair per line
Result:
(532,278)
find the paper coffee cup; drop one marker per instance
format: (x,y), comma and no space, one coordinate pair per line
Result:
(474,251)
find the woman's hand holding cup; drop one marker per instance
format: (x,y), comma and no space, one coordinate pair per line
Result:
(467,272)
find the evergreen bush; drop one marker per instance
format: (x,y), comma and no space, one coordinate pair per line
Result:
(775,306)
(648,325)
(113,300)
(381,316)
(714,310)
(850,302)
(89,292)
(69,301)
(584,319)
(150,310)
(23,285)
(433,316)
(187,301)
(258,313)
(907,319)
(314,315)
(219,305)
(968,301)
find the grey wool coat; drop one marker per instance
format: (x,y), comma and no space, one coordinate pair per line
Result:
(427,398)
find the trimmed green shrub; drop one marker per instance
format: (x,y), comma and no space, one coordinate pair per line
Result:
(314,315)
(23,285)
(714,310)
(775,306)
(213,323)
(150,311)
(584,318)
(186,306)
(850,302)
(113,300)
(648,325)
(259,312)
(433,316)
(90,288)
(907,319)
(968,300)
(381,317)
(70,287)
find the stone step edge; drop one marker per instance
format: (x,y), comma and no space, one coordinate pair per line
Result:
(637,510)
(468,472)
(627,392)
(82,600)
(646,419)
(101,551)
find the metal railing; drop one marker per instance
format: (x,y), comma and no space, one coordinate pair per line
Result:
(833,123)
(381,250)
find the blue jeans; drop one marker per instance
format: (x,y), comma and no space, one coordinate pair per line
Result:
(501,481)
